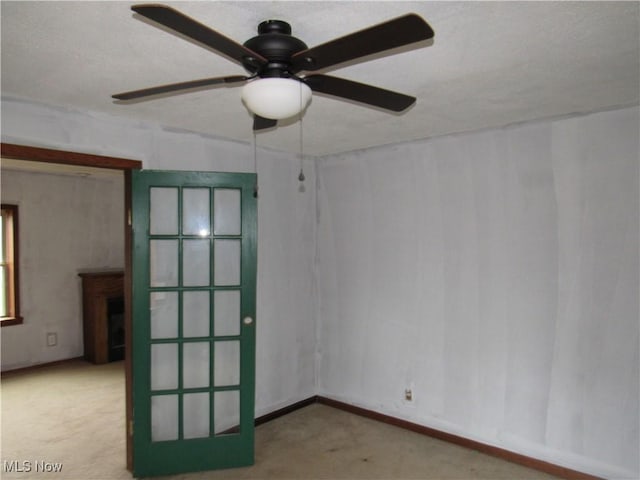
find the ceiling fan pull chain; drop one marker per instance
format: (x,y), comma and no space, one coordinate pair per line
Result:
(255,165)
(301,176)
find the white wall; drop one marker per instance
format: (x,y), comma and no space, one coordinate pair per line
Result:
(495,274)
(286,231)
(67,224)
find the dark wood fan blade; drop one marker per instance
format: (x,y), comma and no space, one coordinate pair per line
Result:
(360,92)
(378,38)
(261,123)
(178,87)
(180,23)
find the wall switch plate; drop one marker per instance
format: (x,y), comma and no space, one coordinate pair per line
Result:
(408,395)
(52,339)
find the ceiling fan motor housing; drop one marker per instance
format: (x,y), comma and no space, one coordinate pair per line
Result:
(275,43)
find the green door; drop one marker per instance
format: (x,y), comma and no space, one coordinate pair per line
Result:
(194,289)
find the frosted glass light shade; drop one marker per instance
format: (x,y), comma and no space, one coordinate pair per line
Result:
(276,98)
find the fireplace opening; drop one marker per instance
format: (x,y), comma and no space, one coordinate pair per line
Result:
(115,326)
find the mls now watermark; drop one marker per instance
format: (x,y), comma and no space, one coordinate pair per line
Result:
(27,466)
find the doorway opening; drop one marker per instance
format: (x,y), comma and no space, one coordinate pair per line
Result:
(126,166)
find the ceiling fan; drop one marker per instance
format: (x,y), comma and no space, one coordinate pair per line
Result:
(274,59)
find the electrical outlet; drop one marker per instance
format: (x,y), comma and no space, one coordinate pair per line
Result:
(408,395)
(52,339)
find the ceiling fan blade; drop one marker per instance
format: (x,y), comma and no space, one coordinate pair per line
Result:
(178,87)
(261,123)
(378,38)
(360,92)
(180,23)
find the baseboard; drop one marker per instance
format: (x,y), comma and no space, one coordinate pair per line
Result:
(285,410)
(39,366)
(273,415)
(513,457)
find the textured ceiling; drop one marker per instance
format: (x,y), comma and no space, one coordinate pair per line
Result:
(490,64)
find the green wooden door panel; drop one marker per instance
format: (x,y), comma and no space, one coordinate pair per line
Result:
(194,282)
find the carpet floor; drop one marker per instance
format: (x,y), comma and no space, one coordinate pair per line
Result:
(72,414)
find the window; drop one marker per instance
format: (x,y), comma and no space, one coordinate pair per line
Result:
(9,300)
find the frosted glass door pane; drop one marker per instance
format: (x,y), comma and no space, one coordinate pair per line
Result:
(226,412)
(163,263)
(195,211)
(164,314)
(195,263)
(226,363)
(163,211)
(164,418)
(195,314)
(226,211)
(226,312)
(195,408)
(195,365)
(164,366)
(226,264)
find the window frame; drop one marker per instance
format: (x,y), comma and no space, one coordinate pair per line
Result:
(11,260)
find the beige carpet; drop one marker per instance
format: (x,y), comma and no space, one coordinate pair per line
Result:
(73,414)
